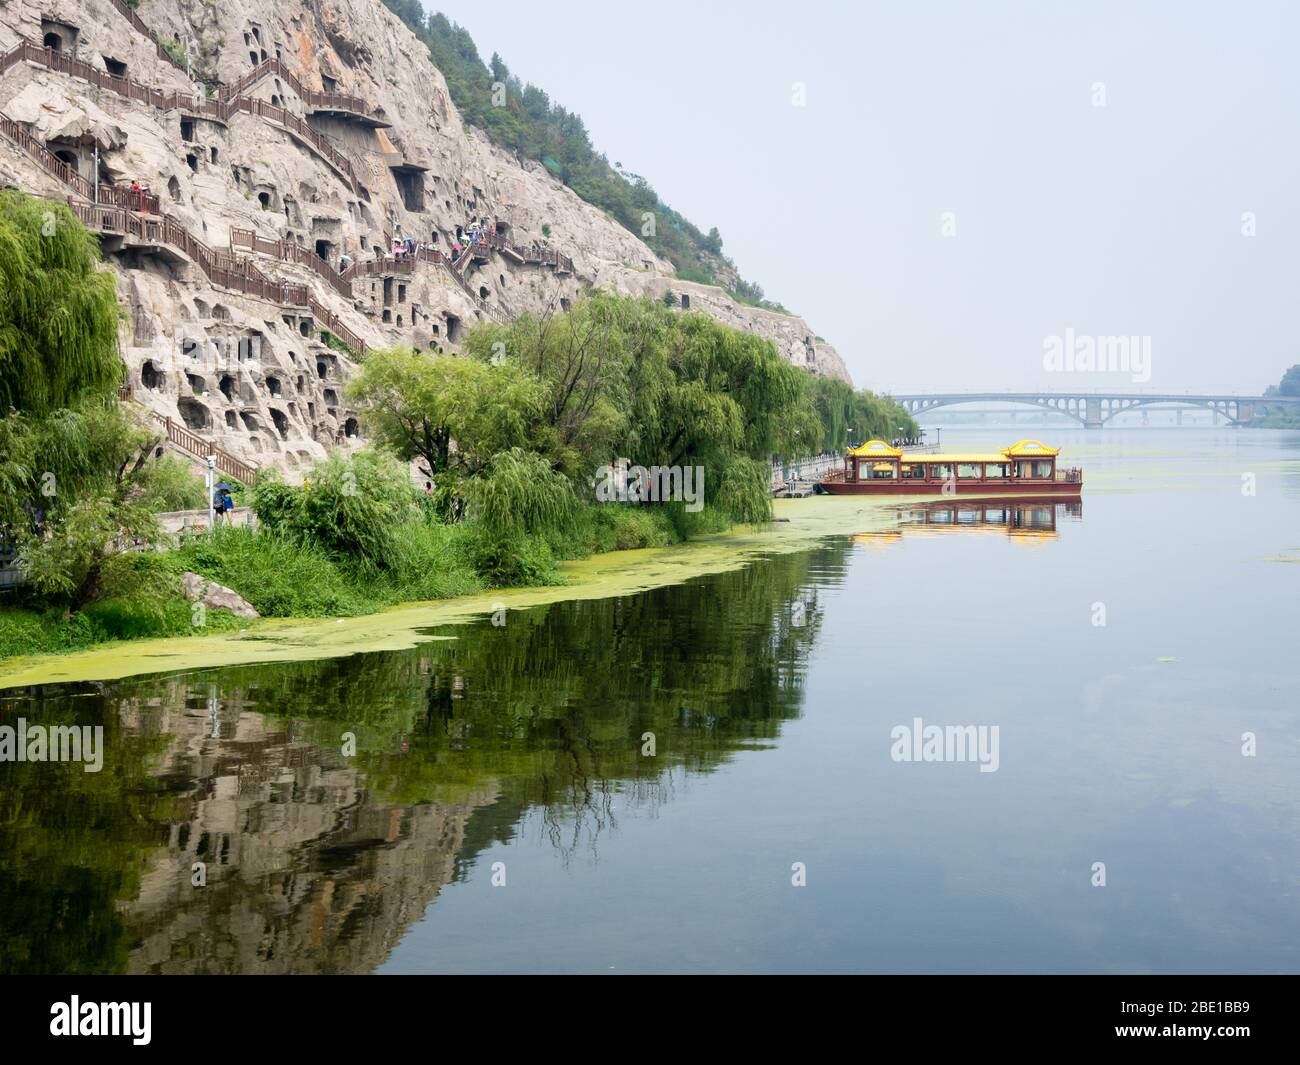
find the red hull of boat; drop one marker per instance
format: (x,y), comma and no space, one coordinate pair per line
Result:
(1020,489)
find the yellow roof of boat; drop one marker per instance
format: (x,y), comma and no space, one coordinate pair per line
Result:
(874,448)
(1021,449)
(1028,449)
(993,456)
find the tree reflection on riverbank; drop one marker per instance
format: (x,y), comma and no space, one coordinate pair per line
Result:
(316,860)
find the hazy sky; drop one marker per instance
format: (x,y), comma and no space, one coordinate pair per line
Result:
(1123,219)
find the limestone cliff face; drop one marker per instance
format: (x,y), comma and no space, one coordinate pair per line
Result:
(311,175)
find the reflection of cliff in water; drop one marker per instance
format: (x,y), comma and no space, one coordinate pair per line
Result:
(317,862)
(307,871)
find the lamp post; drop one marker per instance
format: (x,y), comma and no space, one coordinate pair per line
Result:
(212,467)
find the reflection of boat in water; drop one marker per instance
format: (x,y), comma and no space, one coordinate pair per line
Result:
(1026,469)
(1023,519)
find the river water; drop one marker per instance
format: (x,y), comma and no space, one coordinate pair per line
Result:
(709,777)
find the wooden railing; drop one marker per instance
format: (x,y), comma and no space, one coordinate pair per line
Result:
(291,252)
(234,272)
(220,110)
(330,101)
(200,448)
(128,13)
(119,209)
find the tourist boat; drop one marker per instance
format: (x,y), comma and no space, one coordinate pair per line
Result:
(1028,469)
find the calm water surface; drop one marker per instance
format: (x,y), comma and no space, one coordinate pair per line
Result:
(515,753)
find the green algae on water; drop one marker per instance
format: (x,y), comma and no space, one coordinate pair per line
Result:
(799,524)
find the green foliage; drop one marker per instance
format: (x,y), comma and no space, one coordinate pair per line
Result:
(1290,385)
(745,495)
(349,506)
(430,560)
(513,505)
(519,494)
(417,405)
(58,312)
(615,527)
(176,50)
(140,599)
(842,411)
(82,478)
(530,124)
(280,576)
(175,484)
(335,343)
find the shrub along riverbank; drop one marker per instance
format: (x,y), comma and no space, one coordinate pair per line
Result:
(514,441)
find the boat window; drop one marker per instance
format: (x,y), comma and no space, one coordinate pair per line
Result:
(883,471)
(940,471)
(973,470)
(1043,468)
(914,472)
(997,470)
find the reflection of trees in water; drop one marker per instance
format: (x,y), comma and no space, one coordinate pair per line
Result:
(555,703)
(318,862)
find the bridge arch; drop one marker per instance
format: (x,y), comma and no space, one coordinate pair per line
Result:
(1072,406)
(1095,409)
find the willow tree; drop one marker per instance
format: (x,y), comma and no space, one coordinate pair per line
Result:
(58,309)
(449,414)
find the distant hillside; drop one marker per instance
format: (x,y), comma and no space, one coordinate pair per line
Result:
(530,124)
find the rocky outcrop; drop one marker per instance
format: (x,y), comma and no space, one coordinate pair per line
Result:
(216,596)
(331,133)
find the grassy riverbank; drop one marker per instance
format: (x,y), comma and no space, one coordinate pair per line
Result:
(295,577)
(608,573)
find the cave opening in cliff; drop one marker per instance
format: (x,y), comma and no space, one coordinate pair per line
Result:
(281,423)
(150,376)
(453,329)
(227,386)
(324,250)
(192,161)
(194,413)
(53,42)
(410,184)
(350,428)
(187,129)
(484,292)
(115,67)
(67,157)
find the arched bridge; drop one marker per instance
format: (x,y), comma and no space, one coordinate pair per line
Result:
(1095,409)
